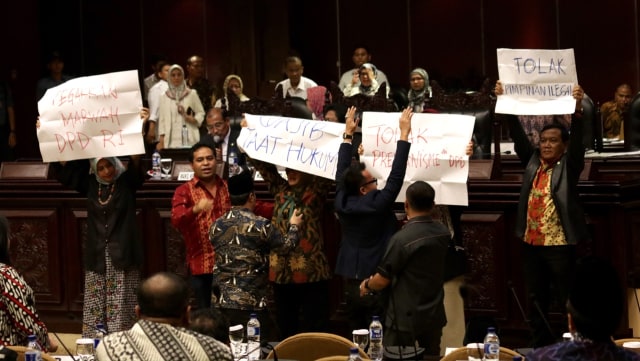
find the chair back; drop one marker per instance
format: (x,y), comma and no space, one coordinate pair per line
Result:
(21,350)
(461,354)
(311,346)
(621,341)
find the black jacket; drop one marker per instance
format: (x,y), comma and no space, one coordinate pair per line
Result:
(564,180)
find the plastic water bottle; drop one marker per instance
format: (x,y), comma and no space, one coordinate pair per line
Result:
(253,337)
(491,345)
(354,355)
(185,136)
(376,350)
(34,352)
(100,333)
(155,165)
(233,162)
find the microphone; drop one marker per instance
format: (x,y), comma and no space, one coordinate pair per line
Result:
(66,349)
(515,296)
(268,346)
(542,315)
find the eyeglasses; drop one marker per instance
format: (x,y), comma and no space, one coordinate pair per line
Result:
(373,180)
(217,125)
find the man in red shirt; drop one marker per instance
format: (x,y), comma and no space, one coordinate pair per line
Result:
(195,206)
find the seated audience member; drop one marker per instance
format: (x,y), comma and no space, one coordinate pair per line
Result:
(612,112)
(161,331)
(179,108)
(368,83)
(295,85)
(420,89)
(315,101)
(361,55)
(594,309)
(334,113)
(8,139)
(210,322)
(234,83)
(242,242)
(55,66)
(222,136)
(413,269)
(18,316)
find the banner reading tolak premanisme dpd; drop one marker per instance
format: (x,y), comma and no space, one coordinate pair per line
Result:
(94,116)
(536,82)
(437,156)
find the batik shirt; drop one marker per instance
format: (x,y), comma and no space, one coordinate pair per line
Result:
(18,316)
(307,262)
(242,241)
(543,223)
(582,351)
(195,227)
(154,341)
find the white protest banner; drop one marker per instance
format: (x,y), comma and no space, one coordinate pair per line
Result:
(94,116)
(305,145)
(536,82)
(438,144)
(437,156)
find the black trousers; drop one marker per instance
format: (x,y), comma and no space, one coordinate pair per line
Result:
(361,309)
(302,307)
(548,271)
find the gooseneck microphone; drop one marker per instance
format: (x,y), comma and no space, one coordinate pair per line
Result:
(542,315)
(515,297)
(66,349)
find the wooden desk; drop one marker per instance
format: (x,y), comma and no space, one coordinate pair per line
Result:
(48,224)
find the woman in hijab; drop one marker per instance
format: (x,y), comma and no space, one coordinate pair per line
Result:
(233,82)
(316,98)
(112,252)
(420,89)
(368,83)
(180,113)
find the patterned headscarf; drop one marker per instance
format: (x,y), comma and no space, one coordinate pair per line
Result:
(315,101)
(117,164)
(177,92)
(417,97)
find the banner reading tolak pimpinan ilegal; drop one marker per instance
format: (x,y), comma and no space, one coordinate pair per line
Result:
(536,82)
(93,116)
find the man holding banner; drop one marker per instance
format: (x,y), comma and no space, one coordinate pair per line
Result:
(550,220)
(366,218)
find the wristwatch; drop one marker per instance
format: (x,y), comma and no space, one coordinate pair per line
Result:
(347,136)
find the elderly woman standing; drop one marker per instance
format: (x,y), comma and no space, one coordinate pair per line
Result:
(234,83)
(112,252)
(180,113)
(420,89)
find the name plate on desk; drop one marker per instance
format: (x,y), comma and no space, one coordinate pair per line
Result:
(185,176)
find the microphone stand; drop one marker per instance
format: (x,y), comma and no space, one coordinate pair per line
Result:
(544,318)
(65,346)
